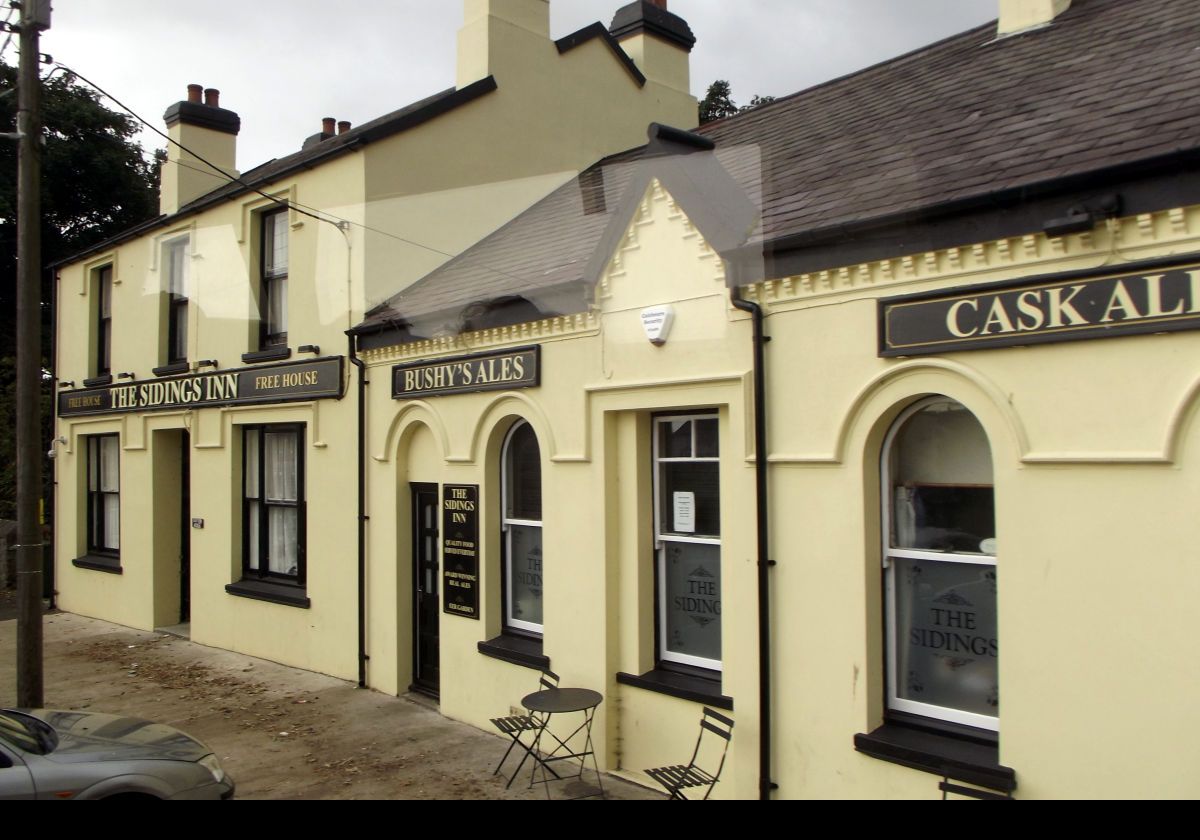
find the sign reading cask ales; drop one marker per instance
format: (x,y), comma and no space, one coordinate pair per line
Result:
(460,550)
(288,382)
(1068,307)
(497,371)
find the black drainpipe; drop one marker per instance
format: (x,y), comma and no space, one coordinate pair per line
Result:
(362,512)
(765,785)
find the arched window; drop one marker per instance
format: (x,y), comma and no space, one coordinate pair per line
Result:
(522,527)
(939,557)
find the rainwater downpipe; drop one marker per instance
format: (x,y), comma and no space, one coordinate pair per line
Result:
(362,509)
(765,785)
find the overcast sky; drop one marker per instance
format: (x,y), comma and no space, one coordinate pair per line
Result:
(285,64)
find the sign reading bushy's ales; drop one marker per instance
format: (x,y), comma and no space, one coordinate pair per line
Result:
(498,371)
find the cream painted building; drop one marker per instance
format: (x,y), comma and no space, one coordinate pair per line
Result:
(977,270)
(207,439)
(867,418)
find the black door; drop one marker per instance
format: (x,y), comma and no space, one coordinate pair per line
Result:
(426,587)
(185,530)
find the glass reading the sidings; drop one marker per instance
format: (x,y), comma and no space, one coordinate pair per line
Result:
(940,566)
(687,521)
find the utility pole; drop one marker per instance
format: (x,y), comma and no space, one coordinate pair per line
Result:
(34,17)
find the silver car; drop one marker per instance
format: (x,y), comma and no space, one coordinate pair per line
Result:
(48,754)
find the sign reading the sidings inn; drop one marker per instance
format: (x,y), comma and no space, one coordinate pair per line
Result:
(288,382)
(499,371)
(1067,307)
(460,550)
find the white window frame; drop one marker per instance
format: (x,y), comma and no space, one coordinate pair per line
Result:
(895,702)
(661,539)
(506,523)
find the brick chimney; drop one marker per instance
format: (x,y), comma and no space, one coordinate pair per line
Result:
(200,124)
(499,33)
(659,42)
(1021,15)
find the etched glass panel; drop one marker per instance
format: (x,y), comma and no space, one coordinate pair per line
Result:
(692,598)
(525,573)
(946,642)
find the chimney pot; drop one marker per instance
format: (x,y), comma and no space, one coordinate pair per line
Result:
(327,125)
(194,92)
(212,98)
(343,126)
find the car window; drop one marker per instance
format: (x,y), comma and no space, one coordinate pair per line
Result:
(25,733)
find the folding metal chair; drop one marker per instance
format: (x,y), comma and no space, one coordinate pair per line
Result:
(975,787)
(515,725)
(678,777)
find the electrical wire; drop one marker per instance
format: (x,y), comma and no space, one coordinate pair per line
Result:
(303,209)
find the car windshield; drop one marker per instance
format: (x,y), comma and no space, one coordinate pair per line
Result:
(26,733)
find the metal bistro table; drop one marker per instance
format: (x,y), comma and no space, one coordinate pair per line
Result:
(562,701)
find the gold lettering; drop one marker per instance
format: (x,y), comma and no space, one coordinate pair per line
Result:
(1154,298)
(998,317)
(1030,310)
(1059,307)
(952,322)
(1122,302)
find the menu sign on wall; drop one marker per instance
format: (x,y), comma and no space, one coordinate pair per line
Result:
(1066,307)
(497,371)
(460,550)
(288,382)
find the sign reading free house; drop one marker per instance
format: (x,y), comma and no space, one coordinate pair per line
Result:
(497,371)
(1067,307)
(288,382)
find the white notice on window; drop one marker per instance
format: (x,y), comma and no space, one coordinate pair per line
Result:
(685,513)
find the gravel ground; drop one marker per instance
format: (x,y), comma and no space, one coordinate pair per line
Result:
(281,733)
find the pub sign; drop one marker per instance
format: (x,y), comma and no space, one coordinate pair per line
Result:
(1160,297)
(460,550)
(288,382)
(496,371)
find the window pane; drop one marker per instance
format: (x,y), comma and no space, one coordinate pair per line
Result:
(942,498)
(692,590)
(110,472)
(252,462)
(93,448)
(177,268)
(282,540)
(946,648)
(281,477)
(253,515)
(277,307)
(525,573)
(697,514)
(106,292)
(524,473)
(675,439)
(275,244)
(112,521)
(179,331)
(706,439)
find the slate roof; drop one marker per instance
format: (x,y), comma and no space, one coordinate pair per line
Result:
(969,121)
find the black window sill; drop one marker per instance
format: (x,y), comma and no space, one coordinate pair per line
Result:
(172,369)
(97,381)
(517,650)
(288,594)
(692,687)
(99,563)
(967,759)
(270,354)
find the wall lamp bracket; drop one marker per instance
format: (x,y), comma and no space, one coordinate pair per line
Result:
(207,363)
(129,375)
(309,348)
(70,384)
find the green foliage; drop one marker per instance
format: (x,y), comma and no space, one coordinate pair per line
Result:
(718,103)
(96,183)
